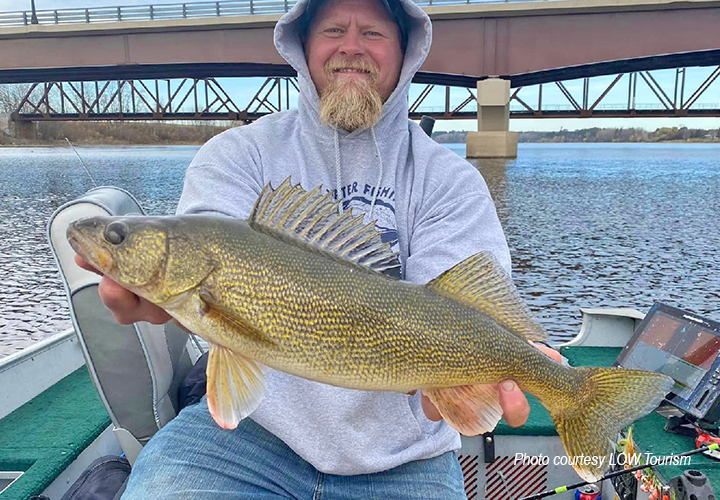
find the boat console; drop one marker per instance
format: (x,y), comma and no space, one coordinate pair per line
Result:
(685,347)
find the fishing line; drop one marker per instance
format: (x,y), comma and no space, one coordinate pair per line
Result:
(82,162)
(505,485)
(562,489)
(95,184)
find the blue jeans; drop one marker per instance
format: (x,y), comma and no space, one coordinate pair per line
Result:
(191,458)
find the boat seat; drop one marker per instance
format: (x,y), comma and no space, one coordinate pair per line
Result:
(136,368)
(606,327)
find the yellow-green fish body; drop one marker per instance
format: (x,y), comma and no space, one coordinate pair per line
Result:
(297,289)
(339,323)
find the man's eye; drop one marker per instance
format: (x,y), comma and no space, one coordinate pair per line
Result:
(333,30)
(374,33)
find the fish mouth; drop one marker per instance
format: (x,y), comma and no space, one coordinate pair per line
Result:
(86,246)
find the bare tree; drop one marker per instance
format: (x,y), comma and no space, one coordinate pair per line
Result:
(11,95)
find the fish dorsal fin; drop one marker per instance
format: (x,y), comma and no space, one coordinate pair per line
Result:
(480,282)
(311,218)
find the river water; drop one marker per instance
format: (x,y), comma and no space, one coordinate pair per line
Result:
(589,225)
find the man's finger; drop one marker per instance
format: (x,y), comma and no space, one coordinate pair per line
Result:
(515,407)
(431,412)
(122,303)
(115,296)
(549,352)
(83,263)
(151,313)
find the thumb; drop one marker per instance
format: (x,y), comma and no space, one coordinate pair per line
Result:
(515,406)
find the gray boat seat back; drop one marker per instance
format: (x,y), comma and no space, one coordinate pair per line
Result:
(136,368)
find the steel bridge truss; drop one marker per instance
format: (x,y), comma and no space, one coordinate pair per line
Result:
(206,99)
(187,99)
(680,101)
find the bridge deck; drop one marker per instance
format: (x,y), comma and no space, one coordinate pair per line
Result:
(528,42)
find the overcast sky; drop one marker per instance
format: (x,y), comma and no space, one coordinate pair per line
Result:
(16,5)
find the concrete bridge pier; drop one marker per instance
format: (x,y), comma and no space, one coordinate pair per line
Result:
(493,139)
(5,123)
(22,130)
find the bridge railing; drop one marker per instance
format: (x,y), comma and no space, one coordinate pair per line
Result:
(171,11)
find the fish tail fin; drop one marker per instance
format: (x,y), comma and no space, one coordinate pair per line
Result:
(608,400)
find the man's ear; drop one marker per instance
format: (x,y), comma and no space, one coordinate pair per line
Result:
(302,32)
(303,36)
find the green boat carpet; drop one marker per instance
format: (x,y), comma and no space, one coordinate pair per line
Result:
(45,435)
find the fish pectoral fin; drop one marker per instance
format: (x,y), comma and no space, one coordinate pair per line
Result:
(469,409)
(481,283)
(218,313)
(235,386)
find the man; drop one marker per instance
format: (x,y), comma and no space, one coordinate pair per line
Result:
(355,60)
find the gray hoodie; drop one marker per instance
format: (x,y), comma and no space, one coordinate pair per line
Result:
(432,204)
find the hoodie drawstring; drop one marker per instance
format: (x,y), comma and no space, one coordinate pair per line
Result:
(338,173)
(380,173)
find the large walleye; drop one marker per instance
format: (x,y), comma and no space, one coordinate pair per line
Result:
(298,288)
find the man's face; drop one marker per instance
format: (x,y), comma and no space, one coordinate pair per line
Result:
(351,46)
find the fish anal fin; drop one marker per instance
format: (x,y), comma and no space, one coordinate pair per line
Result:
(481,283)
(235,386)
(312,220)
(469,409)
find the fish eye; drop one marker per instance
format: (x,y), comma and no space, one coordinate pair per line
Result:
(116,232)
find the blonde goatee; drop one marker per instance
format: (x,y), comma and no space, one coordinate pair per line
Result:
(350,104)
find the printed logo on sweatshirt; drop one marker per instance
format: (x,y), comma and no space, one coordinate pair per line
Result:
(358,197)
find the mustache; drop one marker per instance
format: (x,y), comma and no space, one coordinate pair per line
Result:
(358,65)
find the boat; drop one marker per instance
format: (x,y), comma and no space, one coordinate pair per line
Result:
(101,389)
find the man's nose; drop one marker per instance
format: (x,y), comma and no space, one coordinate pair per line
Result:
(352,43)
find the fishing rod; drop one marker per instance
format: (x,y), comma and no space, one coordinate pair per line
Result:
(569,487)
(82,162)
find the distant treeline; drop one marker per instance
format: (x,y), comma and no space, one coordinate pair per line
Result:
(596,134)
(199,132)
(120,133)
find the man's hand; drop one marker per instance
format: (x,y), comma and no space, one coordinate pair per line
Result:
(125,306)
(515,407)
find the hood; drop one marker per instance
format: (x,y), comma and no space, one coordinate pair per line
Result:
(395,109)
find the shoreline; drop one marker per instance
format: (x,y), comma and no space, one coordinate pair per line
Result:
(59,144)
(99,145)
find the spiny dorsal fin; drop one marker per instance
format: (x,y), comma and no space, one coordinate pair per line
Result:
(311,218)
(480,282)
